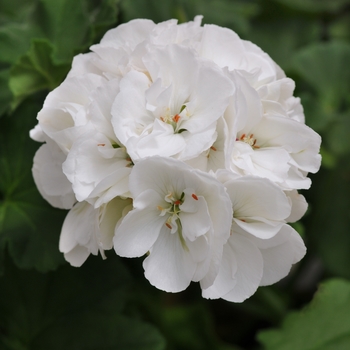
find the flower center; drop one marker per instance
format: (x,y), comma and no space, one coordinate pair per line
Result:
(175,120)
(250,140)
(173,222)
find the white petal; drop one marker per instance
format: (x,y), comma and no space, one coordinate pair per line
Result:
(110,215)
(249,269)
(49,178)
(77,256)
(83,64)
(37,134)
(300,140)
(194,216)
(90,161)
(197,142)
(247,274)
(80,229)
(164,175)
(161,141)
(169,266)
(129,114)
(299,205)
(221,45)
(259,206)
(130,33)
(224,282)
(140,228)
(253,196)
(113,185)
(278,259)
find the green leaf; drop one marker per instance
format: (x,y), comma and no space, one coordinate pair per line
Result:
(16,10)
(185,322)
(189,327)
(318,113)
(329,225)
(66,24)
(5,93)
(233,14)
(338,136)
(72,309)
(157,11)
(315,5)
(282,36)
(29,226)
(323,325)
(328,159)
(72,26)
(15,40)
(35,71)
(325,67)
(340,27)
(43,46)
(103,15)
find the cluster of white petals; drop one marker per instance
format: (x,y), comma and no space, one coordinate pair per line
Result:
(184,144)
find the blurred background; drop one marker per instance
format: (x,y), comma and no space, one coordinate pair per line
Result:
(105,305)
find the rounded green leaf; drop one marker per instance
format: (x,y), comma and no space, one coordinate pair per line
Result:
(325,66)
(322,325)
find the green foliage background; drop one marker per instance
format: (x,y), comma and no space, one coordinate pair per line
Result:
(46,304)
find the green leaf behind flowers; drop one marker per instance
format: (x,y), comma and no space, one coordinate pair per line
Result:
(72,309)
(323,325)
(29,226)
(35,71)
(325,66)
(315,6)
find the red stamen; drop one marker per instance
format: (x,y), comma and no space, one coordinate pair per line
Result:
(168,225)
(213,148)
(101,144)
(242,137)
(178,202)
(176,118)
(194,197)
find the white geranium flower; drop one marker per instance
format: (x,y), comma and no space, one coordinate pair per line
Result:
(98,165)
(183,142)
(95,165)
(249,262)
(173,111)
(181,216)
(261,248)
(278,148)
(63,117)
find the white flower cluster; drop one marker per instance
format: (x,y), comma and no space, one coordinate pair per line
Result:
(183,143)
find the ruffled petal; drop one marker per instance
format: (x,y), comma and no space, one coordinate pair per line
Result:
(169,266)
